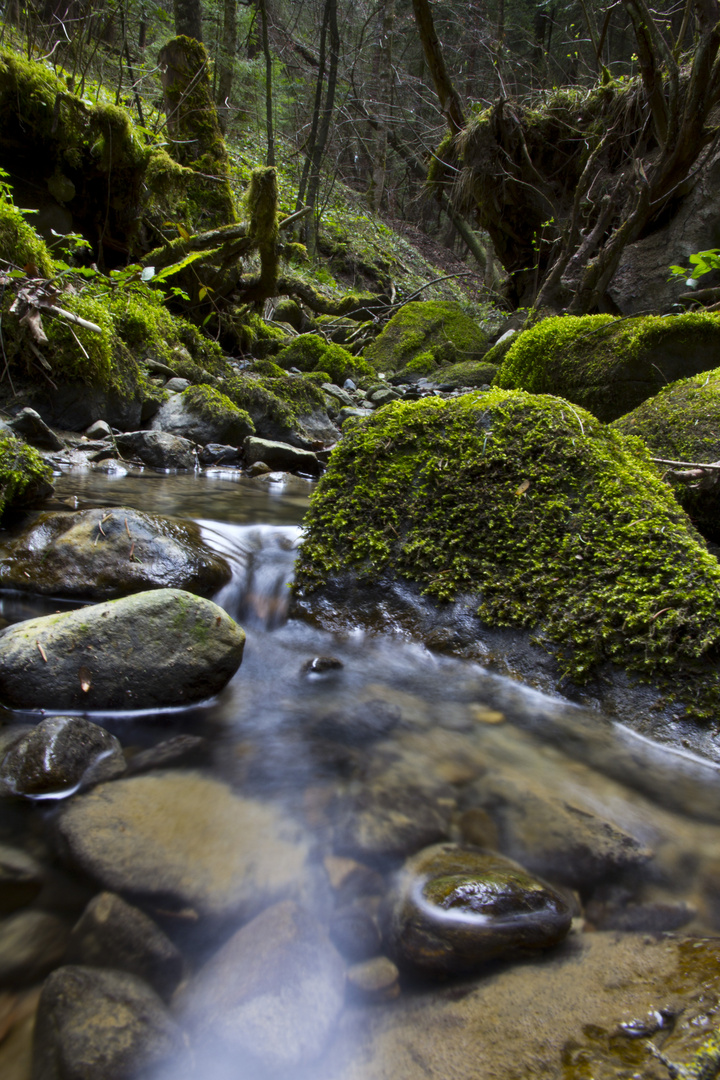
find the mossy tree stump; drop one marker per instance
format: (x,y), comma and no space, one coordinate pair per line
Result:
(195,130)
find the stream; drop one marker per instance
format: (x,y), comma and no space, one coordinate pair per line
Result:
(421,723)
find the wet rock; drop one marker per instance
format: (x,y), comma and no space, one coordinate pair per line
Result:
(272,994)
(552,837)
(455,908)
(33,429)
(60,755)
(158,449)
(218,454)
(258,468)
(321,665)
(181,417)
(555,1015)
(21,878)
(75,406)
(113,934)
(354,932)
(374,980)
(104,553)
(159,648)
(176,385)
(390,819)
(280,456)
(383,396)
(338,393)
(32,943)
(99,430)
(351,413)
(181,841)
(100,1023)
(181,749)
(349,878)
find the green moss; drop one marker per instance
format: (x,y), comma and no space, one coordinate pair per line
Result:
(281,398)
(471,373)
(266,367)
(311,352)
(553,521)
(22,472)
(213,405)
(440,327)
(289,311)
(422,364)
(20,245)
(149,330)
(609,365)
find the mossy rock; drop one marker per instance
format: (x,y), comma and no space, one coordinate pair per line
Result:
(439,327)
(284,408)
(24,476)
(471,373)
(20,244)
(290,312)
(528,514)
(610,365)
(311,352)
(204,415)
(682,423)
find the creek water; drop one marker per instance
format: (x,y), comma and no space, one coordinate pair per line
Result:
(274,734)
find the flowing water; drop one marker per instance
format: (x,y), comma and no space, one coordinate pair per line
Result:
(278,732)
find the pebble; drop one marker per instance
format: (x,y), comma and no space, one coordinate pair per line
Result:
(454,908)
(374,981)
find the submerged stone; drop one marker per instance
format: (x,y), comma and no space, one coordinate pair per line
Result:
(154,649)
(60,755)
(454,908)
(103,553)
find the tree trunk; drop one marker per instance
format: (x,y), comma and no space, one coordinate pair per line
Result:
(226,61)
(449,100)
(384,73)
(270,157)
(188,18)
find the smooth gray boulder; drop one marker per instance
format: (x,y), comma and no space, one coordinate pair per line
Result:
(59,756)
(281,456)
(183,841)
(31,427)
(154,649)
(158,449)
(94,1023)
(272,994)
(101,554)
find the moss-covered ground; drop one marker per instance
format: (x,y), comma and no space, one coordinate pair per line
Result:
(555,522)
(610,365)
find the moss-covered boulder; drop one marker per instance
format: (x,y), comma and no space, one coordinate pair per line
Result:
(311,352)
(469,373)
(20,244)
(610,365)
(438,331)
(284,408)
(682,423)
(204,415)
(518,515)
(24,476)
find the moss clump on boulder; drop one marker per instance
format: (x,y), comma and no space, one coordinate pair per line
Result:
(280,405)
(682,423)
(439,327)
(311,352)
(19,243)
(149,330)
(610,365)
(471,373)
(546,518)
(24,476)
(212,405)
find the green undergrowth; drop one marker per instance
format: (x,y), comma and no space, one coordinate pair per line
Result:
(555,522)
(311,352)
(425,335)
(609,365)
(22,471)
(20,245)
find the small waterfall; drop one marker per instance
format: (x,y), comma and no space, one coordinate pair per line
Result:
(262,559)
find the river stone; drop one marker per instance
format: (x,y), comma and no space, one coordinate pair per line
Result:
(157,449)
(272,994)
(454,908)
(280,455)
(94,1023)
(552,837)
(114,934)
(33,429)
(374,980)
(21,878)
(564,1014)
(159,648)
(217,454)
(32,943)
(60,755)
(178,417)
(104,553)
(99,430)
(183,841)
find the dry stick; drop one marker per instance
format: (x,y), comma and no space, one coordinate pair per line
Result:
(713,466)
(71,317)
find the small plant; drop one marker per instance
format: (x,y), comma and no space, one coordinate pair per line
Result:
(702,262)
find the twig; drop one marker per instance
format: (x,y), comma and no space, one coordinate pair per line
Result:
(713,466)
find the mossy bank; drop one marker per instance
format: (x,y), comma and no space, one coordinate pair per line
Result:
(530,515)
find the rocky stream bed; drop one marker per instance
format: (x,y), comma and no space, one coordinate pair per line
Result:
(354,859)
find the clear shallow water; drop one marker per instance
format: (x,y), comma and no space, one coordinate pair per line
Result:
(276,732)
